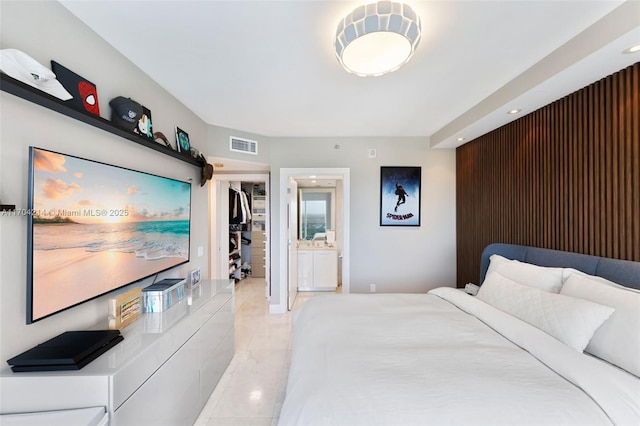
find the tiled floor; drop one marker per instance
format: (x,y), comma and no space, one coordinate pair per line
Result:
(252,388)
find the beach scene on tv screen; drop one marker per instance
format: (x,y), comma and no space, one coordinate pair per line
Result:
(98,227)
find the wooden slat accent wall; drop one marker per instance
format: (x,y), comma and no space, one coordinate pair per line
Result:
(566,177)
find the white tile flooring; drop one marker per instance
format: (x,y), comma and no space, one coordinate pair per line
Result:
(251,390)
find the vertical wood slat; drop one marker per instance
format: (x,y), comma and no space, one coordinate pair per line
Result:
(635,167)
(566,177)
(609,166)
(615,166)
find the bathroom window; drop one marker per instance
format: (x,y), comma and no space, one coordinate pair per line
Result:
(317,210)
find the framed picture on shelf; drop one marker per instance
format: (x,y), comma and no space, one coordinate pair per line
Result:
(400,189)
(194,276)
(182,141)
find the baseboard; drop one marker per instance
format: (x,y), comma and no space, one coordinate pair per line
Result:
(278,309)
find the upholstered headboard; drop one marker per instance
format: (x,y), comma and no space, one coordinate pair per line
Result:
(623,272)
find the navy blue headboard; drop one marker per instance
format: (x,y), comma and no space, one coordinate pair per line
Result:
(623,272)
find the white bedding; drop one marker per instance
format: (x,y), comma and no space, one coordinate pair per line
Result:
(433,359)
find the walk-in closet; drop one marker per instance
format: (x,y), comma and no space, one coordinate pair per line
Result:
(247,229)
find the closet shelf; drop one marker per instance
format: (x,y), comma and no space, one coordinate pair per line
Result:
(31,94)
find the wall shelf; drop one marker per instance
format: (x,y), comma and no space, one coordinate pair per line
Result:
(24,91)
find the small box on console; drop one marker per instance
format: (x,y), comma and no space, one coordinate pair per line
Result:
(162,295)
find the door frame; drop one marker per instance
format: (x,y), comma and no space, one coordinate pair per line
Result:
(292,234)
(219,208)
(342,174)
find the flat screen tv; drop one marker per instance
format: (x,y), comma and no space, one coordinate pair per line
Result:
(94,228)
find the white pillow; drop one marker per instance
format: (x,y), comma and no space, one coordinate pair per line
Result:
(567,272)
(570,320)
(618,340)
(544,278)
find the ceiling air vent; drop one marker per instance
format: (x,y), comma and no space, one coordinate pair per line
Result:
(243,145)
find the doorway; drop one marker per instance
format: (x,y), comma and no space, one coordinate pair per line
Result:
(221,233)
(289,179)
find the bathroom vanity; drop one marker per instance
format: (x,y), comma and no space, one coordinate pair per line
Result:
(317,268)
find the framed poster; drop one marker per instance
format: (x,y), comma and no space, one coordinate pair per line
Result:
(400,196)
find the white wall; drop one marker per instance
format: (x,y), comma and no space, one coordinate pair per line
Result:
(218,146)
(46,30)
(396,259)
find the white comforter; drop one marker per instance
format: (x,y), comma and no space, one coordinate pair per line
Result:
(442,358)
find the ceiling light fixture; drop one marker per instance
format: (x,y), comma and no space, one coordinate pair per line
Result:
(514,111)
(633,49)
(460,139)
(377,38)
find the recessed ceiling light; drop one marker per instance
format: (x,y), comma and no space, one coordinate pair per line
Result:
(460,139)
(514,111)
(633,49)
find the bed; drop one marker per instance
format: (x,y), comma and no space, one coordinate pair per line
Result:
(552,338)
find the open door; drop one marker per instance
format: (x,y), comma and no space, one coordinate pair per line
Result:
(292,241)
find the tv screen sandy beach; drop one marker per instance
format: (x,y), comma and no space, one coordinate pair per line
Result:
(96,227)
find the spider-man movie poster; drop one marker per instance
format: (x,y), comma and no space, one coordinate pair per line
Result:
(400,196)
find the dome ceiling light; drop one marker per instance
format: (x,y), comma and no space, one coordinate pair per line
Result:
(377,38)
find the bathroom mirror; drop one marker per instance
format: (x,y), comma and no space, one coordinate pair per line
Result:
(316,211)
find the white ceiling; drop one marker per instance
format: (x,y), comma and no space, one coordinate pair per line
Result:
(268,67)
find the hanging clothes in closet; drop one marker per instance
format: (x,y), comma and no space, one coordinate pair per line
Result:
(239,207)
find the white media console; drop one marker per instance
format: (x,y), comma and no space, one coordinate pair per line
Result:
(162,373)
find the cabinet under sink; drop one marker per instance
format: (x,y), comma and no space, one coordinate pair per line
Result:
(317,269)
